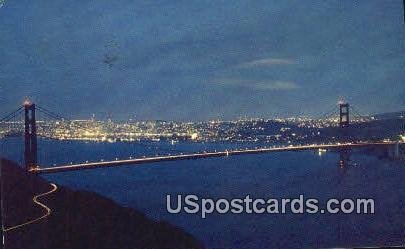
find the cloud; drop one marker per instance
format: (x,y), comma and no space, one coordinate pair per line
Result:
(271,85)
(268,62)
(277,85)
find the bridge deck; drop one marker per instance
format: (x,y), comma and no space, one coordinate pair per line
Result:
(82,166)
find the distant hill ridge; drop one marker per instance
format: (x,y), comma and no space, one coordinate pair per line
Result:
(389,115)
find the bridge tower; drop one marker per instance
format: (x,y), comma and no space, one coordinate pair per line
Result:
(30,136)
(344,115)
(344,122)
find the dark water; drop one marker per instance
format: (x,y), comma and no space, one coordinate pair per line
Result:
(276,175)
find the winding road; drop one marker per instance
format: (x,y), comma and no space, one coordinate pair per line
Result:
(35,201)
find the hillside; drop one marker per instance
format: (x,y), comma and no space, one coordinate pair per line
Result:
(79,219)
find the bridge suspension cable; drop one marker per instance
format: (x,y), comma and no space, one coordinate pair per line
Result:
(11,126)
(50,114)
(356,113)
(326,114)
(11,115)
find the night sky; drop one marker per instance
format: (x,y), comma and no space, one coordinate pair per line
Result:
(200,60)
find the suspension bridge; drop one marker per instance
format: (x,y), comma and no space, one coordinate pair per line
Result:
(31,132)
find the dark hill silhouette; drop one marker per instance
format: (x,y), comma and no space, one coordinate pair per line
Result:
(79,219)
